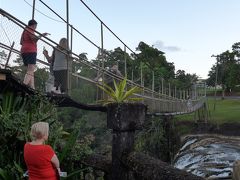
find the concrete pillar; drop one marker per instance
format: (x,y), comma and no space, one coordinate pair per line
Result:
(123,119)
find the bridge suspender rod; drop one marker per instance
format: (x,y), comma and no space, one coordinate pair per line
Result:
(68,23)
(102,45)
(9,55)
(107,26)
(33,9)
(153,84)
(72,26)
(53,11)
(125,61)
(71,37)
(68,53)
(141,73)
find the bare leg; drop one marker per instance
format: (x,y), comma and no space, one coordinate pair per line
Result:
(26,78)
(32,68)
(29,77)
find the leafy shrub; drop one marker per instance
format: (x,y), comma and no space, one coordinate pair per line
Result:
(17,113)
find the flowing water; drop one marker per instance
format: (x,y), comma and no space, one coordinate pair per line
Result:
(209,156)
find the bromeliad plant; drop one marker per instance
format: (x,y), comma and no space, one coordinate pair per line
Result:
(119,94)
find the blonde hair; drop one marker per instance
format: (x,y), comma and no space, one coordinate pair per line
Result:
(63,43)
(39,130)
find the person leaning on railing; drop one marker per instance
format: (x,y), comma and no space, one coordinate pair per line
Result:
(59,58)
(29,51)
(41,160)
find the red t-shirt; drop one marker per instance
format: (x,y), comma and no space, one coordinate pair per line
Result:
(38,161)
(29,45)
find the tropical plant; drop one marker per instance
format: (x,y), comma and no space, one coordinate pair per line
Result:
(17,113)
(11,171)
(119,94)
(156,141)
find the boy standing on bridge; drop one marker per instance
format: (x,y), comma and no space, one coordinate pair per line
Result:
(29,51)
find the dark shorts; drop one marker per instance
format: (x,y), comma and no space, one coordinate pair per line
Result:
(29,58)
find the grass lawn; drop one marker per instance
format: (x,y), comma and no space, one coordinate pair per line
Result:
(226,111)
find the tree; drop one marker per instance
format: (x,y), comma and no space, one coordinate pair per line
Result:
(185,80)
(236,50)
(227,68)
(148,60)
(153,60)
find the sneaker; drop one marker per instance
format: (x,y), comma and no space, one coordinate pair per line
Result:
(58,91)
(55,91)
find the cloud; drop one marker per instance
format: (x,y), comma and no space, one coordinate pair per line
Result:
(161,46)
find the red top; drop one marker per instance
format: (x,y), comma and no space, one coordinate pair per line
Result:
(29,45)
(38,161)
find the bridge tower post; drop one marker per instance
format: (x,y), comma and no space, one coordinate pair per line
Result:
(168,129)
(123,119)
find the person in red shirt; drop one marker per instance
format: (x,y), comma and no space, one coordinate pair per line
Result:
(29,51)
(41,160)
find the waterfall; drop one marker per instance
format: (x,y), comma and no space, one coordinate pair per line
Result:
(208,156)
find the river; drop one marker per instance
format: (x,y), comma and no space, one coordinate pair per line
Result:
(208,156)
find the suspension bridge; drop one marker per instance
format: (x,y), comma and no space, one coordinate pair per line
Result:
(82,84)
(83,78)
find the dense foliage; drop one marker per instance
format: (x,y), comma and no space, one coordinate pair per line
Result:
(17,114)
(226,71)
(157,140)
(152,62)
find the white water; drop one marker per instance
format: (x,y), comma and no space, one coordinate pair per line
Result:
(209,156)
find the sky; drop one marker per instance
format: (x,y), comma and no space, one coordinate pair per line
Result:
(188,31)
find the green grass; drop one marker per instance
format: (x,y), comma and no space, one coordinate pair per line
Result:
(226,111)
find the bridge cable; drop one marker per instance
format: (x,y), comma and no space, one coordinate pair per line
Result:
(107,26)
(43,13)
